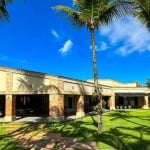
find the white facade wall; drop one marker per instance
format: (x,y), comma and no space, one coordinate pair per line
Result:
(2,81)
(29,83)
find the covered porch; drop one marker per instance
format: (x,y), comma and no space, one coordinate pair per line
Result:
(32,105)
(132,100)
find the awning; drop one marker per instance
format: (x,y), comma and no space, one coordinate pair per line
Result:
(132,94)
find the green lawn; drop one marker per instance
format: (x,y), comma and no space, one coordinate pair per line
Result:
(6,141)
(123,130)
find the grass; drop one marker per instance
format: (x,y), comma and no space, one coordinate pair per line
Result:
(6,142)
(123,130)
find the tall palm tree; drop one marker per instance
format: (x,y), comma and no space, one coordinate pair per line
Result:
(142,11)
(94,14)
(3,10)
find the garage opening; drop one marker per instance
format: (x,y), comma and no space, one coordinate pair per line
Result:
(32,105)
(2,105)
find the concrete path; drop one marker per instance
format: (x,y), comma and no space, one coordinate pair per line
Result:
(36,119)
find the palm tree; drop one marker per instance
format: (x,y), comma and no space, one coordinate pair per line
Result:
(142,11)
(94,14)
(3,11)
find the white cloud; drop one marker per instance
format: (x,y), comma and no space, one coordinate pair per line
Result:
(66,47)
(55,34)
(102,46)
(128,36)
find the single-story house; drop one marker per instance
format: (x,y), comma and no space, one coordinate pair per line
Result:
(29,93)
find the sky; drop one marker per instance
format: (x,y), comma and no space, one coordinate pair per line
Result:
(37,38)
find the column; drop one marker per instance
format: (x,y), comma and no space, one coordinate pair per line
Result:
(10,108)
(80,106)
(145,106)
(56,105)
(112,102)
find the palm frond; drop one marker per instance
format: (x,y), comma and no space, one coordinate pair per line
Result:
(115,11)
(142,11)
(94,13)
(3,11)
(74,16)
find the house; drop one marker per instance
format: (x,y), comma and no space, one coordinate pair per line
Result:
(29,93)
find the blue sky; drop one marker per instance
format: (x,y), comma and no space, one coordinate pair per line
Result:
(37,38)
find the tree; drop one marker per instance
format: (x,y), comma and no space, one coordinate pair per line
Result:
(94,14)
(142,11)
(3,11)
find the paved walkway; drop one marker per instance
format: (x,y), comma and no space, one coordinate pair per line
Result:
(36,119)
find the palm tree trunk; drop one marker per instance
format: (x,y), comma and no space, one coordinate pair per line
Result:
(97,91)
(100,122)
(100,114)
(94,61)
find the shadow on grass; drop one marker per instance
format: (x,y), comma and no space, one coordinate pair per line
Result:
(132,135)
(124,141)
(122,136)
(27,137)
(128,114)
(125,115)
(6,137)
(6,143)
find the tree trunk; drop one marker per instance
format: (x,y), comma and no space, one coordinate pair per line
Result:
(100,122)
(96,90)
(100,113)
(94,61)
